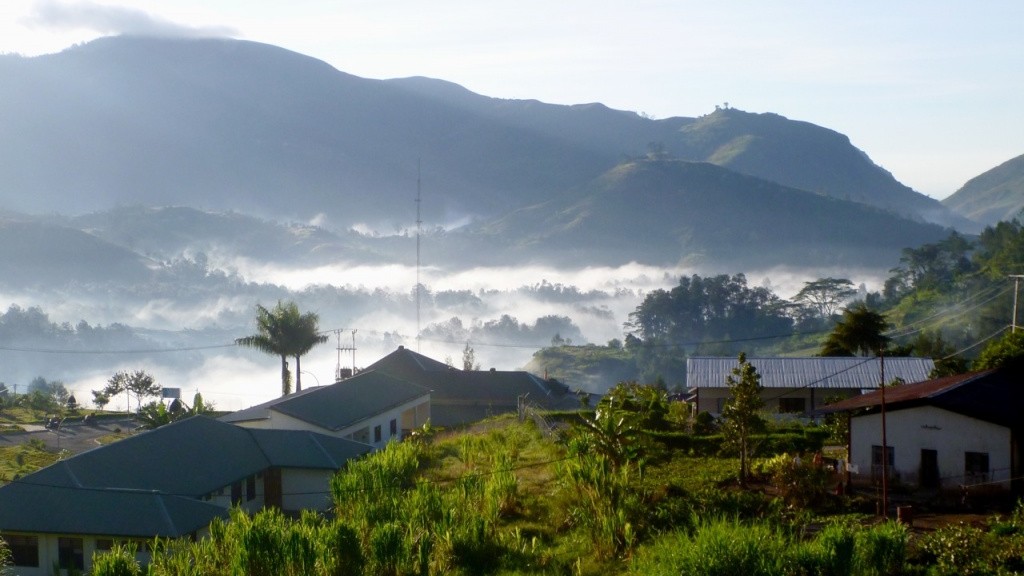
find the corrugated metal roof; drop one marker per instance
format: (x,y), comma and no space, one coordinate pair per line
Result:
(812,372)
(991,395)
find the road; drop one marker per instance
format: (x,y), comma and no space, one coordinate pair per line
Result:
(73,436)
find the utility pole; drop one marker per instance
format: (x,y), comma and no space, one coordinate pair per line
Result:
(885,444)
(1016,286)
(341,349)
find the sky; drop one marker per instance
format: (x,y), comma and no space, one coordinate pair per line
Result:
(928,89)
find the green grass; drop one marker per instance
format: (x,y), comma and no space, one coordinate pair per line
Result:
(16,461)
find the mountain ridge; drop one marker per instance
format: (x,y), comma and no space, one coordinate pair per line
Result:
(221,124)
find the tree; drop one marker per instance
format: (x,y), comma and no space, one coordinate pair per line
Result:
(305,337)
(155,414)
(741,417)
(55,389)
(703,312)
(285,332)
(859,332)
(1002,351)
(469,358)
(825,295)
(138,383)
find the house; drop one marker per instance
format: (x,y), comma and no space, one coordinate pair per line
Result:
(957,431)
(798,385)
(170,482)
(459,397)
(371,407)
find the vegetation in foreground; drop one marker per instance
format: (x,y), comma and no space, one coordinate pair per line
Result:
(608,495)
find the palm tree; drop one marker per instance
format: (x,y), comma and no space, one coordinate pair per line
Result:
(306,336)
(285,332)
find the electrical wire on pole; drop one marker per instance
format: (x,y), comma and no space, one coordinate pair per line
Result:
(1016,287)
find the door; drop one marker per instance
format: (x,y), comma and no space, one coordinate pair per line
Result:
(928,476)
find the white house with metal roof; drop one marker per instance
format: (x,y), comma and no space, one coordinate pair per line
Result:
(170,482)
(371,407)
(963,432)
(799,385)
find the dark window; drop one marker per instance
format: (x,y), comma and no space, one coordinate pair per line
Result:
(876,462)
(236,492)
(24,550)
(792,405)
(394,427)
(376,433)
(70,553)
(250,488)
(976,466)
(104,544)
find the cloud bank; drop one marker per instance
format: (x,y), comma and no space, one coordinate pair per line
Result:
(114,20)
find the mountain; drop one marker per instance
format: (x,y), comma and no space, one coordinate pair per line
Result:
(226,125)
(165,233)
(669,211)
(35,254)
(992,196)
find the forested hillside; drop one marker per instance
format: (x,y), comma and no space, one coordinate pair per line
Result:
(950,300)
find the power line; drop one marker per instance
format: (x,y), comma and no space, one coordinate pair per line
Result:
(123,351)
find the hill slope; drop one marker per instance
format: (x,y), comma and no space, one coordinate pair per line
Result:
(995,195)
(667,211)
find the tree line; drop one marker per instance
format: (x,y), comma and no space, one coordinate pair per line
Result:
(951,300)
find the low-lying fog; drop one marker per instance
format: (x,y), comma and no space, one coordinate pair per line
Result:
(505,314)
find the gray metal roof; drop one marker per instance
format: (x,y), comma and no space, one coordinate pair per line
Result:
(195,456)
(148,484)
(812,372)
(35,508)
(341,404)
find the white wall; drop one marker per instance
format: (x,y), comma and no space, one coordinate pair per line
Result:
(306,489)
(409,415)
(949,434)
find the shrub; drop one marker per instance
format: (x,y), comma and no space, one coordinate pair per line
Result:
(717,547)
(119,561)
(881,550)
(800,483)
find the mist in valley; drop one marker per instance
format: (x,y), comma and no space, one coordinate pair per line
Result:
(181,327)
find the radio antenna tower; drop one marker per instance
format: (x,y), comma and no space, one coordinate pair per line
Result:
(419,222)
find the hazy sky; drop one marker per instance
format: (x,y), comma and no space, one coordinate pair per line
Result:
(929,89)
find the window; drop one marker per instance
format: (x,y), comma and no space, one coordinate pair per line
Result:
(236,492)
(876,462)
(250,488)
(104,544)
(394,427)
(976,466)
(376,433)
(792,405)
(24,550)
(70,553)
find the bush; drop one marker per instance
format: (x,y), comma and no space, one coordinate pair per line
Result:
(800,484)
(882,550)
(717,547)
(119,561)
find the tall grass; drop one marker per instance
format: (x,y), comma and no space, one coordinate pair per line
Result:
(602,499)
(729,547)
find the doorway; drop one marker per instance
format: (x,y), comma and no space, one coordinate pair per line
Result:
(929,473)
